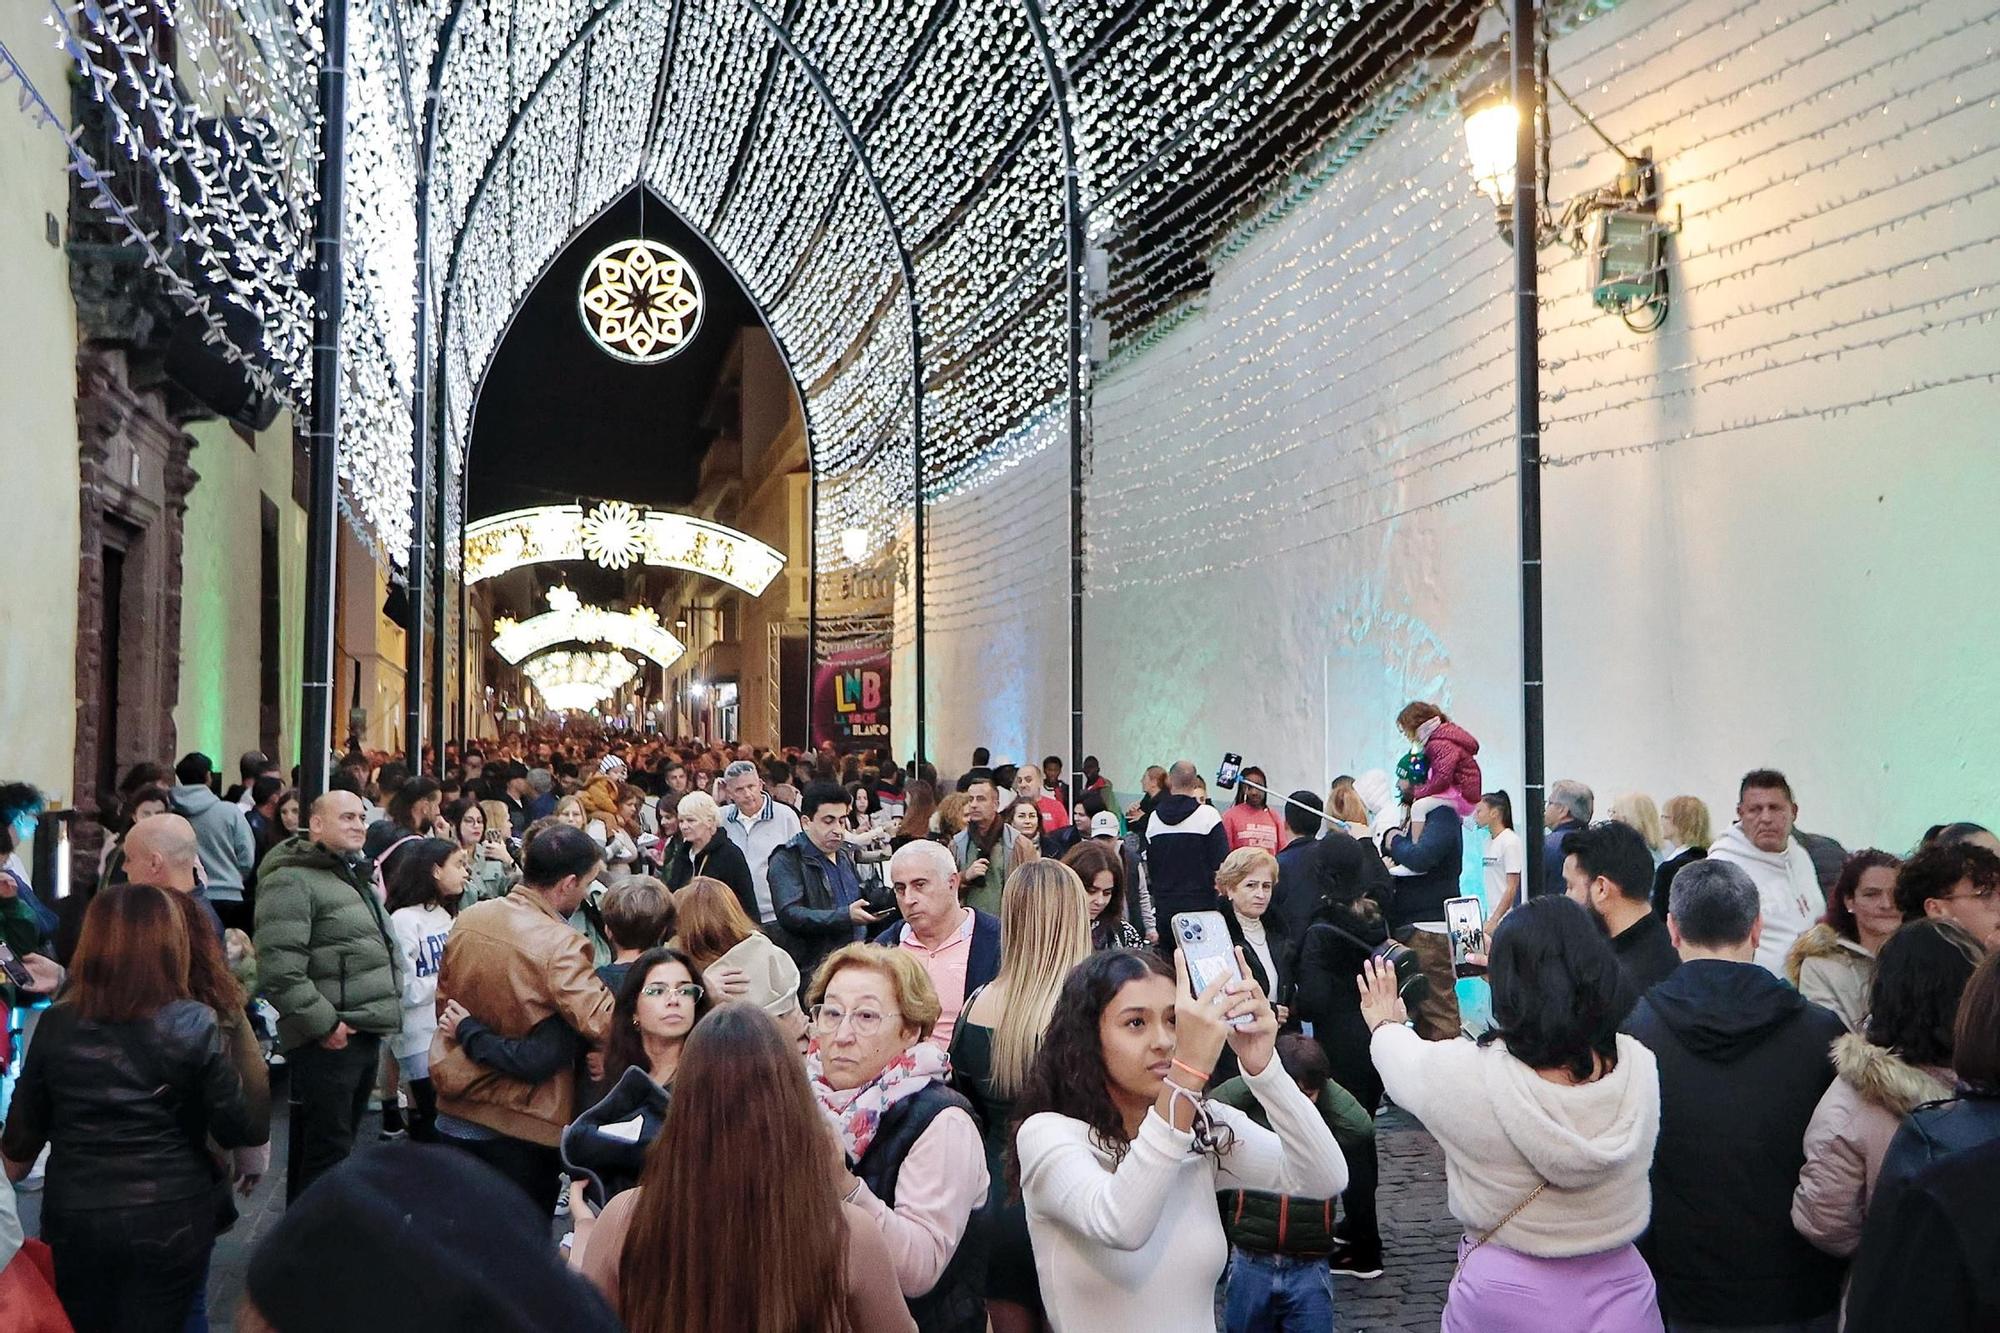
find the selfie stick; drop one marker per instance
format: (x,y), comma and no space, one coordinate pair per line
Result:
(1299,805)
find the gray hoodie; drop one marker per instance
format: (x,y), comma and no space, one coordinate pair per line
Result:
(222,840)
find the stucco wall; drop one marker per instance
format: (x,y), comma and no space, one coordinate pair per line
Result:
(1770,537)
(38,459)
(220,707)
(1768,530)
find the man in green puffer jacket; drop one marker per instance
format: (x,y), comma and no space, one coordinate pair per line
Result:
(330,967)
(1279,1244)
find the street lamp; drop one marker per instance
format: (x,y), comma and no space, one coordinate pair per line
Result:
(1617,224)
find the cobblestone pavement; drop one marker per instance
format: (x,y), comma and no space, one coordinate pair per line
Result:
(1419,1237)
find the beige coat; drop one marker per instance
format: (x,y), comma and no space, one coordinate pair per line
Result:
(1832,971)
(1873,1092)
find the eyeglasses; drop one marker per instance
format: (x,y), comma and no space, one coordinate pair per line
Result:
(687,990)
(827,1018)
(1983,894)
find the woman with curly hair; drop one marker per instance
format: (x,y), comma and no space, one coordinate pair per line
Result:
(1119,1154)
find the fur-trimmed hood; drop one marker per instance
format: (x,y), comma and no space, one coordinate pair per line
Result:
(1822,941)
(1885,1078)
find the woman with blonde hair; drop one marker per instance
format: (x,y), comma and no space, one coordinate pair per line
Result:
(706,850)
(912,1156)
(1044,932)
(1247,883)
(1684,837)
(1637,809)
(951,816)
(569,810)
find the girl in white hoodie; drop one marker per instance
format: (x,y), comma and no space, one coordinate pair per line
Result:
(426,885)
(1547,1126)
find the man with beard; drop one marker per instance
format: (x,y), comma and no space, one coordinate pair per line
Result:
(1608,869)
(987,849)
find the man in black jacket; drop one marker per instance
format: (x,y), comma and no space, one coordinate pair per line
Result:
(1608,869)
(814,887)
(1743,1061)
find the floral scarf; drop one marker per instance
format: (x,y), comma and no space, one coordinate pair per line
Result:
(856,1112)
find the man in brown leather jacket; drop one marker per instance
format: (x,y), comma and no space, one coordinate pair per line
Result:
(513,963)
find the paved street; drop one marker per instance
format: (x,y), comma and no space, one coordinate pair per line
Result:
(1419,1237)
(1418,1233)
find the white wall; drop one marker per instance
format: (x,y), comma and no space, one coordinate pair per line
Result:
(1301,509)
(39,510)
(996,602)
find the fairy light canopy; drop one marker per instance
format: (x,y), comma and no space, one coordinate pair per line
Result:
(885,180)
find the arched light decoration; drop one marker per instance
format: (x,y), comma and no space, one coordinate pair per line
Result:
(568,621)
(615,535)
(640,301)
(578,680)
(886,183)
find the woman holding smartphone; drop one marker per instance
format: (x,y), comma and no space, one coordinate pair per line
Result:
(1119,1154)
(493,871)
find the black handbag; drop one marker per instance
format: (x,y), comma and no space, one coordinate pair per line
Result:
(1413,987)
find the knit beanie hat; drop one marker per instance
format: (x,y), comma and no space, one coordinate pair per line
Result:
(1413,768)
(1375,790)
(413,1240)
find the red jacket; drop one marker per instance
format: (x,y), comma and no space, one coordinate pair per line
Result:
(1454,771)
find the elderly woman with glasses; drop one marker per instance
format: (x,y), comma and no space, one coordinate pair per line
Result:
(913,1158)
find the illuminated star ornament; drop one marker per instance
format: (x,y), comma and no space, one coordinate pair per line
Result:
(640,301)
(613,535)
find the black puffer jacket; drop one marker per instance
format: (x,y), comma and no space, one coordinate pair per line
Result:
(128,1106)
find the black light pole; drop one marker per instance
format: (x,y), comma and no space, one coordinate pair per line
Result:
(1073,261)
(322,520)
(1527,92)
(812,597)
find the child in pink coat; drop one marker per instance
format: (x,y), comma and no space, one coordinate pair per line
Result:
(1448,751)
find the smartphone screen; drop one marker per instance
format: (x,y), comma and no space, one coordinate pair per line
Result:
(1232,769)
(1464,919)
(1204,941)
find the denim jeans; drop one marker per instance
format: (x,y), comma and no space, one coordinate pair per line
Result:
(1277,1293)
(131,1270)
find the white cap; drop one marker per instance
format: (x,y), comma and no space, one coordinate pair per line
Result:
(1104,824)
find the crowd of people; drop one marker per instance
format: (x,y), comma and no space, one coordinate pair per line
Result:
(676,1036)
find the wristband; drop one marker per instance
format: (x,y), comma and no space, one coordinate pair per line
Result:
(1200,1076)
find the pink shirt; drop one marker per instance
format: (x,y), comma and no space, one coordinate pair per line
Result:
(1247,826)
(946,966)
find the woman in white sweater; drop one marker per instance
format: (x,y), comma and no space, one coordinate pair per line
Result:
(1119,1155)
(1547,1126)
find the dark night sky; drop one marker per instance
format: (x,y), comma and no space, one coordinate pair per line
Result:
(559,419)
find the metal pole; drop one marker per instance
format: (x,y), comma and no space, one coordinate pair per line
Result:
(464,662)
(917,539)
(440,731)
(812,596)
(415,641)
(322,520)
(1528,412)
(1073,237)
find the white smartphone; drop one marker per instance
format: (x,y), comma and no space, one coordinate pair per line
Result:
(1464,920)
(1204,941)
